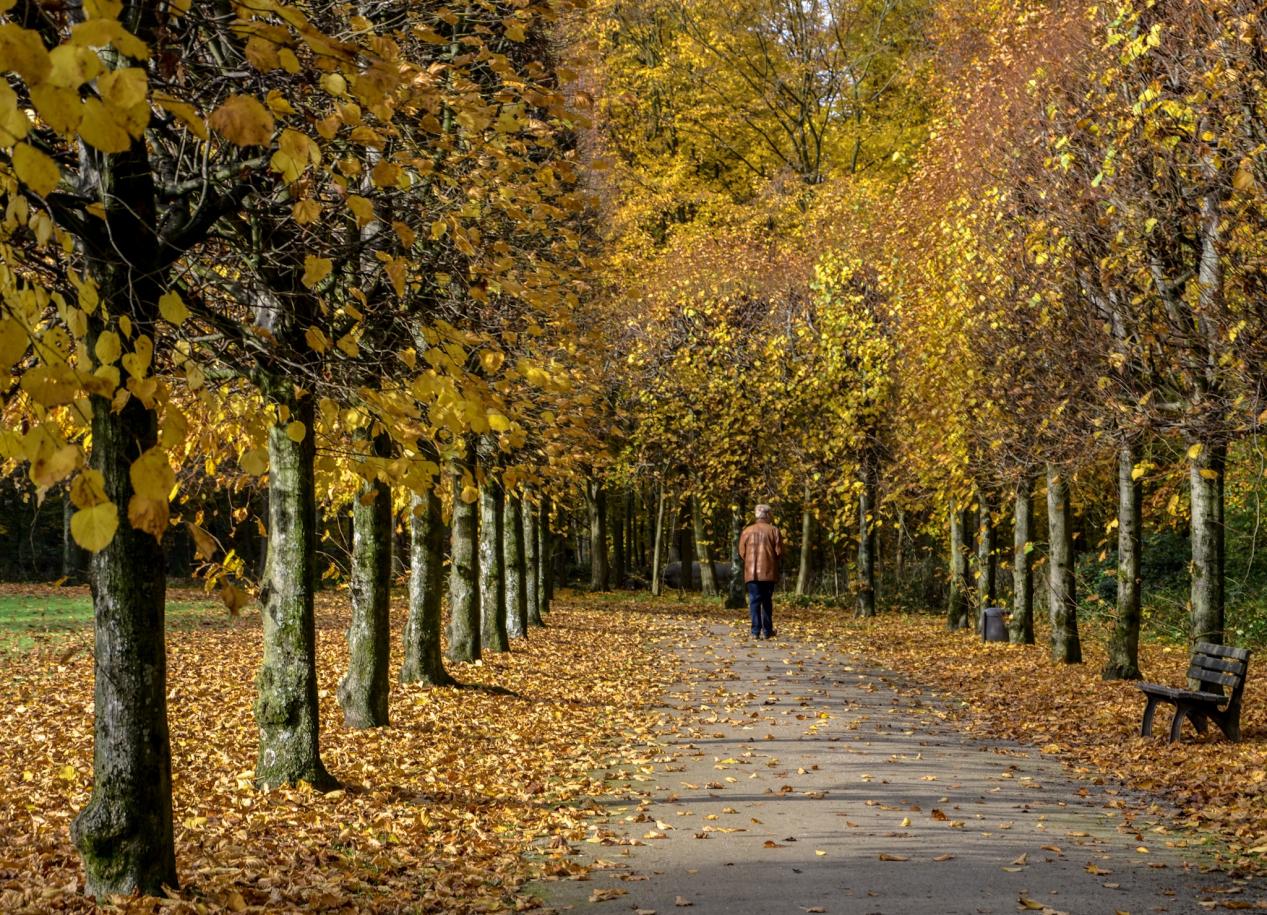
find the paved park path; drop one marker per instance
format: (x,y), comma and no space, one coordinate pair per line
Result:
(796,780)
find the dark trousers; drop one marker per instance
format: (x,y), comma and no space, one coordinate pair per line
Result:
(761,606)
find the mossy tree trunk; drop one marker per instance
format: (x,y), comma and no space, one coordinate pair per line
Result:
(549,545)
(125,833)
(515,575)
(866,544)
(958,608)
(1123,648)
(596,501)
(805,567)
(464,592)
(364,690)
(657,550)
(1021,627)
(1205,475)
(987,559)
(286,706)
(532,564)
(685,548)
(703,550)
(423,662)
(736,594)
(1062,600)
(493,633)
(616,524)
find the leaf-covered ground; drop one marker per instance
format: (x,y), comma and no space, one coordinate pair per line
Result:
(1016,692)
(473,791)
(451,809)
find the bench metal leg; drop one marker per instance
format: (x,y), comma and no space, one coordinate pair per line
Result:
(1150,709)
(1181,712)
(1198,720)
(1230,725)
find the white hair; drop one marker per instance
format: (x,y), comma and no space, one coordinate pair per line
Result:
(764,512)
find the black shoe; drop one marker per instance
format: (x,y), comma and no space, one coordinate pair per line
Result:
(772,633)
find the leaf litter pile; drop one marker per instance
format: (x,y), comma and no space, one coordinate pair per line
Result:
(470,792)
(1016,692)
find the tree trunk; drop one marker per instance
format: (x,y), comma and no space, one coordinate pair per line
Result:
(866,545)
(1206,472)
(596,499)
(617,525)
(516,575)
(737,593)
(549,546)
(958,611)
(633,560)
(1123,663)
(464,594)
(807,534)
(544,539)
(657,554)
(685,552)
(125,833)
(493,633)
(532,565)
(423,661)
(363,691)
(899,549)
(1062,601)
(1021,629)
(286,706)
(703,549)
(986,558)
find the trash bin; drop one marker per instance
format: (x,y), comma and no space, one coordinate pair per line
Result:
(993,628)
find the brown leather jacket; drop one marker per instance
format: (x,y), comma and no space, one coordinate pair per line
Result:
(761,549)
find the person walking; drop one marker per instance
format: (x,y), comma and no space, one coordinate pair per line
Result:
(761,550)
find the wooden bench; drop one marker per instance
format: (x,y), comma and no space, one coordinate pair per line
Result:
(1215,667)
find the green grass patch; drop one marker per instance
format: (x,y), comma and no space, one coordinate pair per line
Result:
(45,618)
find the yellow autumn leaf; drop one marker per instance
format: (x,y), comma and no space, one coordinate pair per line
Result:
(316,269)
(108,347)
(1194,452)
(295,431)
(254,462)
(14,343)
(361,208)
(317,341)
(306,212)
(149,515)
(93,528)
(152,475)
(23,52)
(102,128)
(55,467)
(172,307)
(137,362)
(34,169)
(88,489)
(498,422)
(14,124)
(243,120)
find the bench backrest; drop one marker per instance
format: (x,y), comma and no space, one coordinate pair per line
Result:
(1219,666)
